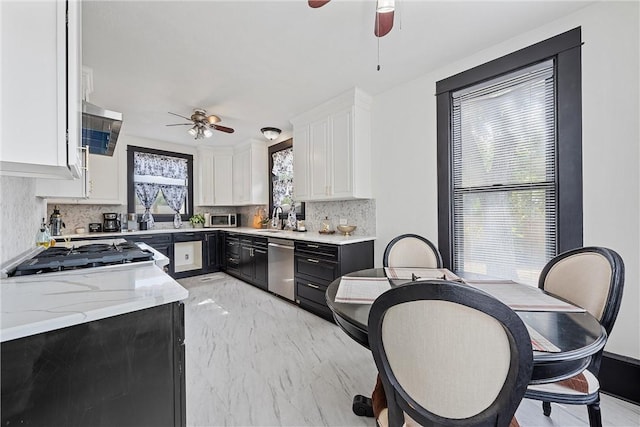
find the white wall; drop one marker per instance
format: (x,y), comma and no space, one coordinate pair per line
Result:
(404,146)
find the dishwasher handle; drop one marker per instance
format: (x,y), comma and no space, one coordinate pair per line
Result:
(277,245)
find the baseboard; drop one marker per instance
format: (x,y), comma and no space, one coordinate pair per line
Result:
(620,377)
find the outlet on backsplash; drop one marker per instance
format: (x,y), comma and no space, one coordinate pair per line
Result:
(343,221)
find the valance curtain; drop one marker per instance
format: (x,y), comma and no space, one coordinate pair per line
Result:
(173,170)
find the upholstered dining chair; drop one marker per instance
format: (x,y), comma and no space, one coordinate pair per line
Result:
(448,355)
(411,250)
(591,278)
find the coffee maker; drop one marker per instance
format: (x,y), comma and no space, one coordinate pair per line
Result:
(111,222)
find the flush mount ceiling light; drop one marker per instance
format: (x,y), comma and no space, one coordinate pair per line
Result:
(270,133)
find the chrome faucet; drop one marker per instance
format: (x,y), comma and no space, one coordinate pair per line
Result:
(274,219)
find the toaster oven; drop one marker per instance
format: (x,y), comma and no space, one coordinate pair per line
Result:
(223,220)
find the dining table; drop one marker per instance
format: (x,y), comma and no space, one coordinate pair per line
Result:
(574,335)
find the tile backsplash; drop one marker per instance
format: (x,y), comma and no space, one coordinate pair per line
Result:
(361,213)
(20,216)
(357,212)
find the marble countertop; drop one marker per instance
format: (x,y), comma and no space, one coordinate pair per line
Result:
(34,304)
(309,236)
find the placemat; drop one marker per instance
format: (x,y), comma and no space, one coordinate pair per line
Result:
(361,290)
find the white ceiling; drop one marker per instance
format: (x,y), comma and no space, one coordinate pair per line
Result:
(259,63)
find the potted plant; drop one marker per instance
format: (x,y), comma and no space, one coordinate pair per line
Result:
(197,220)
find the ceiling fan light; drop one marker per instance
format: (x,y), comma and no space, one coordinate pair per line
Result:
(207,133)
(193,131)
(270,133)
(385,6)
(213,119)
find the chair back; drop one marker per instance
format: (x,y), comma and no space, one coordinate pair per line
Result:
(449,354)
(589,277)
(411,250)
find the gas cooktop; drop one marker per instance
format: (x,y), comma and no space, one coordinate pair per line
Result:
(85,256)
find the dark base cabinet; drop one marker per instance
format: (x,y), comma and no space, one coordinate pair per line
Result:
(125,370)
(213,251)
(253,264)
(318,264)
(162,243)
(232,253)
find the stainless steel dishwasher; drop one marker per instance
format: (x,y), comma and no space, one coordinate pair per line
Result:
(281,280)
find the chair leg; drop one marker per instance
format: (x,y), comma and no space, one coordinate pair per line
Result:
(546,408)
(595,417)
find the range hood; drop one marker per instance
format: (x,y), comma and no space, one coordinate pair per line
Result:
(100,129)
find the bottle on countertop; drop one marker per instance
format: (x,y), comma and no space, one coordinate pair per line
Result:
(43,237)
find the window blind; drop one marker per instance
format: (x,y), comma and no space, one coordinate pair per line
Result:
(504,174)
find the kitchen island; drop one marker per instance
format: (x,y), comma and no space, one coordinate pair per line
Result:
(99,346)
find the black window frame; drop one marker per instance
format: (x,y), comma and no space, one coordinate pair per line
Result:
(274,149)
(565,50)
(131,205)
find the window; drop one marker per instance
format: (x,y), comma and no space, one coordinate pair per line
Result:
(160,184)
(281,179)
(509,161)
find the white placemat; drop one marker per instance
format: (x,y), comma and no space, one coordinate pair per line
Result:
(540,343)
(407,273)
(521,297)
(361,290)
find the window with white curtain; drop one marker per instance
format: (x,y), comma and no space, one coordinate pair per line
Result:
(510,161)
(160,184)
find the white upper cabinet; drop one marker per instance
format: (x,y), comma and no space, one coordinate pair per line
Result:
(40,71)
(250,175)
(332,149)
(301,163)
(103,183)
(215,177)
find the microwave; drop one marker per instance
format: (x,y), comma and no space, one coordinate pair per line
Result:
(223,220)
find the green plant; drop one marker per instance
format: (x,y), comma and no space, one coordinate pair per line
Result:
(197,219)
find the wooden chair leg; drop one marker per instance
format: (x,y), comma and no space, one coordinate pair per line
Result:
(595,417)
(546,408)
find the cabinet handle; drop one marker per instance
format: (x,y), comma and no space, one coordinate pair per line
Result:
(86,157)
(313,246)
(313,260)
(313,286)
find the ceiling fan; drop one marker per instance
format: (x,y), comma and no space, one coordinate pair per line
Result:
(202,124)
(384,15)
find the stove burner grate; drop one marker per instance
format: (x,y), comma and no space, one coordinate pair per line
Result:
(86,256)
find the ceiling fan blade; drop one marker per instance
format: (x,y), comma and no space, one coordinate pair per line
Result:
(223,128)
(384,24)
(186,118)
(317,3)
(181,124)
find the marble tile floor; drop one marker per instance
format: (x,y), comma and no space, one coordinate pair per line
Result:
(253,359)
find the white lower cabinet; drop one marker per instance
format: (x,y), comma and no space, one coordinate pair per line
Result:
(332,149)
(215,177)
